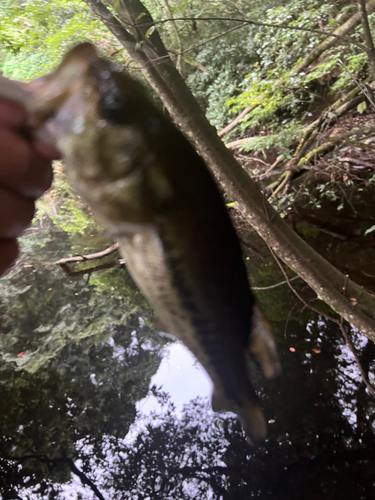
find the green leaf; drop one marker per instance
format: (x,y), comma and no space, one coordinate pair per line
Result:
(179,7)
(150,31)
(193,62)
(362,107)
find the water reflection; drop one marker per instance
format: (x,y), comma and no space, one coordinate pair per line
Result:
(78,357)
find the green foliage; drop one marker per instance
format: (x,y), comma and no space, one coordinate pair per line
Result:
(63,207)
(274,85)
(307,231)
(35,34)
(214,59)
(69,408)
(42,308)
(214,91)
(288,134)
(65,396)
(226,60)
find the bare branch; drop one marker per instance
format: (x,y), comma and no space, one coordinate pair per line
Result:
(52,462)
(351,347)
(88,271)
(342,38)
(92,256)
(177,34)
(370,49)
(275,285)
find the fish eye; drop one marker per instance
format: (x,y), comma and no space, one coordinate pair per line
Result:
(115,108)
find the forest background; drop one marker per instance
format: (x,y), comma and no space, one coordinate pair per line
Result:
(287,82)
(294,104)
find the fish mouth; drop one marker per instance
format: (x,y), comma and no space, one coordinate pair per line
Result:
(50,92)
(81,76)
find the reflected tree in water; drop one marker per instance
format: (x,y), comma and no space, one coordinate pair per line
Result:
(76,356)
(76,411)
(61,391)
(65,412)
(318,446)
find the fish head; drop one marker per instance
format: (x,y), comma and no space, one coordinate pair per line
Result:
(101,120)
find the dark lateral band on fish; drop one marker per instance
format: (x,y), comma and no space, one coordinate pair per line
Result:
(146,184)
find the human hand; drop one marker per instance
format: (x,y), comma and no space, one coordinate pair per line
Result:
(25,173)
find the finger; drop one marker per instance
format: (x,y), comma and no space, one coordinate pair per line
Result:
(23,168)
(15,152)
(16,213)
(46,150)
(37,177)
(12,115)
(8,254)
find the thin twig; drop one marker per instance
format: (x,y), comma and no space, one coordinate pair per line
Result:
(367,33)
(256,23)
(92,256)
(251,158)
(178,38)
(89,270)
(163,59)
(351,347)
(275,285)
(363,89)
(273,166)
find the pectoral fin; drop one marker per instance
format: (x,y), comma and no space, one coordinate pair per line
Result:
(262,345)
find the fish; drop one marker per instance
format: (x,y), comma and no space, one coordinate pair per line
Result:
(145,183)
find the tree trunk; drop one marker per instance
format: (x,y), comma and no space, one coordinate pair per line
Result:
(367,33)
(345,297)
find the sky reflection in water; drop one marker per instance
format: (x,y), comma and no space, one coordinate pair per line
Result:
(181,376)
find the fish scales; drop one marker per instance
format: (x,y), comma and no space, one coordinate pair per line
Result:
(205,330)
(148,186)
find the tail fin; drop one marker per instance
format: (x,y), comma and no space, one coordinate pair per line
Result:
(249,413)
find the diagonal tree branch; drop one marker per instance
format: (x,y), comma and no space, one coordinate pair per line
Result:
(53,462)
(320,275)
(370,49)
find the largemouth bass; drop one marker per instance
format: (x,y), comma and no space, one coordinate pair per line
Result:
(144,182)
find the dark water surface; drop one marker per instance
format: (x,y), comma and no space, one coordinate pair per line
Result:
(95,404)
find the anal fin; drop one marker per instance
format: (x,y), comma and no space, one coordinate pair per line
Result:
(249,413)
